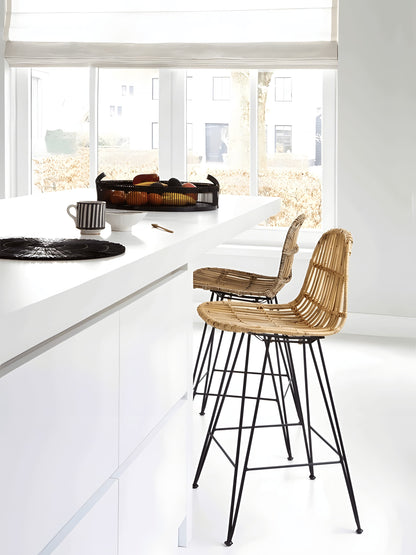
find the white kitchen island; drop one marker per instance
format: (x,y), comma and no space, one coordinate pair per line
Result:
(95,375)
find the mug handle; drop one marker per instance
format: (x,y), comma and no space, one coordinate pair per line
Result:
(68,209)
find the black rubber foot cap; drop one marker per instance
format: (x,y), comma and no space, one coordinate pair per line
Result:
(359,531)
(202,413)
(312,477)
(290,458)
(228,543)
(195,486)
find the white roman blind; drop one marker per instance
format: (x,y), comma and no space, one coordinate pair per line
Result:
(175,32)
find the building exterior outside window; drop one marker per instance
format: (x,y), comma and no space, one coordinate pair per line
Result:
(221,88)
(283,138)
(283,89)
(219,135)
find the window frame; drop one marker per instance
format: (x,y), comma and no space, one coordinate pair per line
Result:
(172,154)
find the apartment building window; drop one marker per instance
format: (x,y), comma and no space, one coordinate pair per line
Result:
(123,90)
(283,89)
(131,90)
(216,138)
(221,88)
(283,138)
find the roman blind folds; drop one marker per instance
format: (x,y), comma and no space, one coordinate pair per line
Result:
(181,33)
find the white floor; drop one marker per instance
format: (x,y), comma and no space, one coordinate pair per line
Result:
(285,513)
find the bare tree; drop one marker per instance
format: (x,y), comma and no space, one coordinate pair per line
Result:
(264,78)
(239,131)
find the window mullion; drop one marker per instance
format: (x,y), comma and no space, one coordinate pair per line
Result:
(21,174)
(253,133)
(329,141)
(172,123)
(93,126)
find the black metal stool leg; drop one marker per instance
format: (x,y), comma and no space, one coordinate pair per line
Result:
(298,404)
(210,375)
(207,354)
(308,412)
(281,405)
(200,375)
(236,497)
(201,344)
(219,402)
(336,431)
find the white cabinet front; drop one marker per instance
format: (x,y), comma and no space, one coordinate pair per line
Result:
(152,492)
(59,435)
(97,532)
(155,353)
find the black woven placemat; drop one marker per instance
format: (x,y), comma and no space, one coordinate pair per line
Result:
(28,248)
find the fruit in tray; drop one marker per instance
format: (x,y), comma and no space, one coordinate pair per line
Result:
(136,198)
(177,199)
(154,198)
(118,197)
(173,182)
(145,178)
(190,185)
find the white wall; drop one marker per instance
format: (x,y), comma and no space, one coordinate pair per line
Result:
(377,152)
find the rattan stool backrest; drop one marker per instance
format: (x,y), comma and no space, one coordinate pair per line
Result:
(322,300)
(290,248)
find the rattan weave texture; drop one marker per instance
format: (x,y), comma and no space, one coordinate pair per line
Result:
(242,283)
(320,309)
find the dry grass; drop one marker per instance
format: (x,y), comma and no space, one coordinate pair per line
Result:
(298,188)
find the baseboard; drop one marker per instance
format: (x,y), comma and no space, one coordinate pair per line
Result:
(359,324)
(381,325)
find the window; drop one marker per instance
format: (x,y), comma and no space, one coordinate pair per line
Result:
(131,90)
(288,163)
(221,88)
(123,90)
(125,146)
(283,89)
(221,131)
(60,129)
(251,143)
(283,138)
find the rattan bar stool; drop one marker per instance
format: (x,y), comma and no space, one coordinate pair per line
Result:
(225,283)
(318,311)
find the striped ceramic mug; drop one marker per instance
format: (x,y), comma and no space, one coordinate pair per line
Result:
(89,217)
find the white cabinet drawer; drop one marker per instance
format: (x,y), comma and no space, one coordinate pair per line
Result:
(155,355)
(153,490)
(58,435)
(97,532)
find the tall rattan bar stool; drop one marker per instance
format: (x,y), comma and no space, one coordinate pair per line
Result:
(318,311)
(225,283)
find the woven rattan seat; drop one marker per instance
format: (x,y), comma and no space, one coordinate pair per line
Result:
(318,310)
(243,284)
(240,285)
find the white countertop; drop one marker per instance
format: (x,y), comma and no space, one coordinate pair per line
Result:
(41,299)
